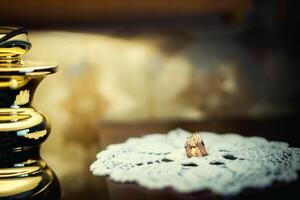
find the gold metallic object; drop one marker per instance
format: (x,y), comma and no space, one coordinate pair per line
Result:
(23,173)
(22,98)
(194,146)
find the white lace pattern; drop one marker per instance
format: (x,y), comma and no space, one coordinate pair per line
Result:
(158,161)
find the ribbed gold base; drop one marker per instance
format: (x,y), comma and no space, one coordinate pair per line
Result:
(43,185)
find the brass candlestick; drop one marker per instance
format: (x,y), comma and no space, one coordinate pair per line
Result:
(23,173)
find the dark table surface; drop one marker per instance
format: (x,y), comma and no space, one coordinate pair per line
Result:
(273,128)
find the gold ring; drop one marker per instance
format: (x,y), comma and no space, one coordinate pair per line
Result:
(194,146)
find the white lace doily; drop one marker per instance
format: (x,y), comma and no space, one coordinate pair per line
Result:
(234,162)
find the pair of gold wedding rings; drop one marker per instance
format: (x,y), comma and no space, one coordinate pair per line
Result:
(194,146)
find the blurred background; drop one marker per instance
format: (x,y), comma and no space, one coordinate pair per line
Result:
(134,66)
